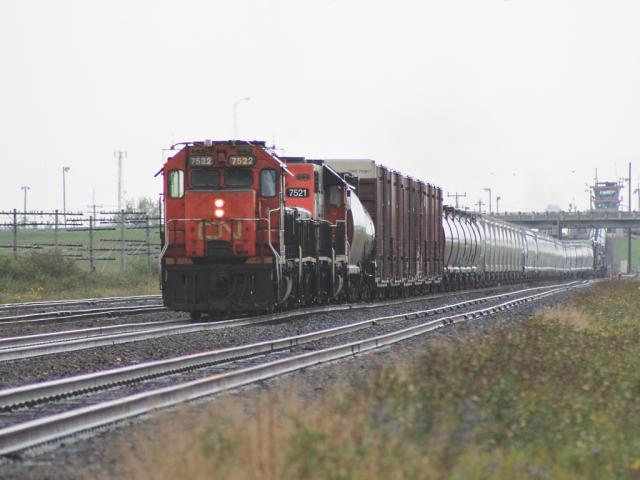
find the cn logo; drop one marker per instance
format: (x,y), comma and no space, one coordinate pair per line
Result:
(224,230)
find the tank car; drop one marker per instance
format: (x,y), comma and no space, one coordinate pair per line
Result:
(481,250)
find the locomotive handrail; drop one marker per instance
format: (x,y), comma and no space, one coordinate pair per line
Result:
(269,239)
(162,253)
(277,255)
(269,212)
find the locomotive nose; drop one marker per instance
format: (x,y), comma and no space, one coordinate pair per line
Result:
(228,225)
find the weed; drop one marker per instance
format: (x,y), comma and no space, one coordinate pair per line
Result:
(39,276)
(554,397)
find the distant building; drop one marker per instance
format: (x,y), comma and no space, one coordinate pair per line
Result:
(606,196)
(553,208)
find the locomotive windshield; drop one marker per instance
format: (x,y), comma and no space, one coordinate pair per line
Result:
(268,179)
(238,177)
(205,178)
(176,184)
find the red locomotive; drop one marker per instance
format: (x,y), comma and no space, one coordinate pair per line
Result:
(247,230)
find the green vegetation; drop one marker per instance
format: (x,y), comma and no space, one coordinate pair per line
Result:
(553,397)
(103,239)
(50,275)
(620,252)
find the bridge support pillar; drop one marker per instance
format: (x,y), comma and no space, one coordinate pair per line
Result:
(559,230)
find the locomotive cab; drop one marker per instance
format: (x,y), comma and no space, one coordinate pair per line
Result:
(222,204)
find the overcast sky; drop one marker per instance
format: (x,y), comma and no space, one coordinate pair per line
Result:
(526,97)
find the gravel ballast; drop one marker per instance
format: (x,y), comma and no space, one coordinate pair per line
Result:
(63,324)
(96,453)
(37,369)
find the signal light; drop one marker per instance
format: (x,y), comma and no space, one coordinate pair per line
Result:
(218,202)
(218,213)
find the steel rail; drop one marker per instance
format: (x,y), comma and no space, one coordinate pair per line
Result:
(52,337)
(67,386)
(55,316)
(70,315)
(80,301)
(56,426)
(36,393)
(78,314)
(90,301)
(76,334)
(75,344)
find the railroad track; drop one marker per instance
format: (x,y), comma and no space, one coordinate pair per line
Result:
(77,302)
(28,346)
(71,315)
(56,316)
(42,339)
(57,425)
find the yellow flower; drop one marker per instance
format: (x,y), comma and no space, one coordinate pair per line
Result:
(636,464)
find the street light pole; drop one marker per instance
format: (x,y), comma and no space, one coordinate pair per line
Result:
(235,116)
(64,193)
(489,190)
(498,204)
(24,217)
(629,230)
(119,154)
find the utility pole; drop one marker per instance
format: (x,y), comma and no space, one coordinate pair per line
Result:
(122,243)
(480,204)
(120,155)
(489,190)
(147,225)
(14,227)
(64,193)
(92,267)
(24,217)
(629,230)
(55,227)
(457,196)
(93,205)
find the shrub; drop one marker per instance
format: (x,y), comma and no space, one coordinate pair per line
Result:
(41,275)
(554,397)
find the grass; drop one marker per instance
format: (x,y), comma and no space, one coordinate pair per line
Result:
(103,239)
(553,397)
(50,275)
(620,252)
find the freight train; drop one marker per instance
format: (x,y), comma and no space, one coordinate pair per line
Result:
(247,230)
